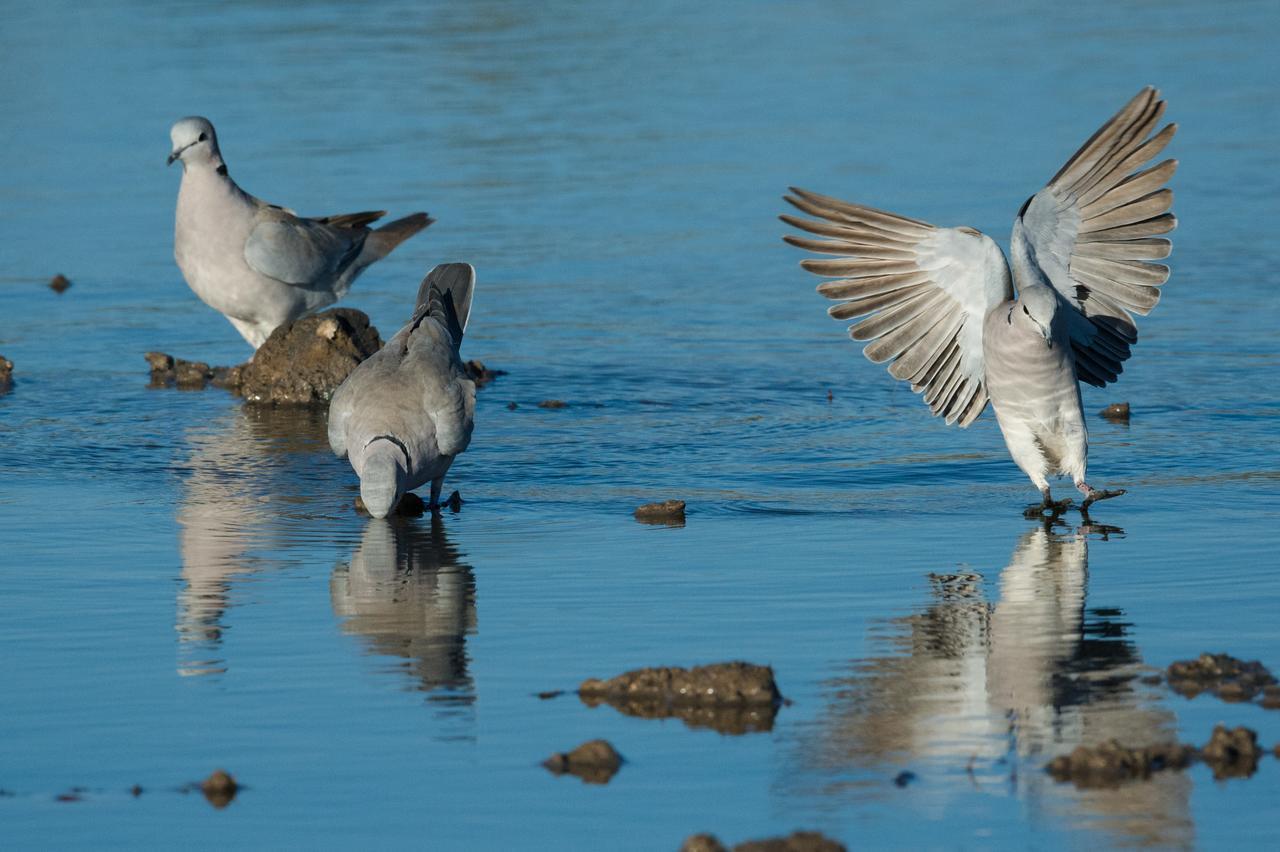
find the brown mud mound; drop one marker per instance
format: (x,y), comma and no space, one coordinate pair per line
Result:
(170,372)
(799,841)
(1232,753)
(305,361)
(668,512)
(59,283)
(1108,764)
(595,762)
(732,698)
(1223,675)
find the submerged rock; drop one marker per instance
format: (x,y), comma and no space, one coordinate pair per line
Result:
(669,512)
(1220,674)
(1108,764)
(59,284)
(219,788)
(797,841)
(595,762)
(1232,753)
(1117,412)
(732,698)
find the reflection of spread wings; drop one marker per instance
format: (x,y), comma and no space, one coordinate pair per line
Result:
(926,290)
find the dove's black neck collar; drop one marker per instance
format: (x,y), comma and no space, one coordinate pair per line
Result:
(394,440)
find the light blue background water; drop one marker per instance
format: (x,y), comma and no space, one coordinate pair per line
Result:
(185,586)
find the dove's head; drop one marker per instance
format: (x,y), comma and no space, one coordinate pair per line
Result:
(1036,307)
(194,142)
(383,475)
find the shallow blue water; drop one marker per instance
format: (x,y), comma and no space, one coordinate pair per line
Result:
(186,586)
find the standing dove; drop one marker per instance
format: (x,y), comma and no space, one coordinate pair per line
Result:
(941,307)
(404,414)
(258,264)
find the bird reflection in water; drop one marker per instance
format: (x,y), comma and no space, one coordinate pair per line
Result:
(240,471)
(980,695)
(407,593)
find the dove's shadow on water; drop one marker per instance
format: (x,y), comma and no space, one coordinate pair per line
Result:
(408,594)
(981,693)
(239,490)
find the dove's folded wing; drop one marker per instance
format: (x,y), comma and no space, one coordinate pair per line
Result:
(301,252)
(924,291)
(1095,228)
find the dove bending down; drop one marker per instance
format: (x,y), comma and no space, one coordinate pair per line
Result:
(258,264)
(404,414)
(942,311)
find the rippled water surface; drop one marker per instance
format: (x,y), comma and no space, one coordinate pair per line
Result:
(186,586)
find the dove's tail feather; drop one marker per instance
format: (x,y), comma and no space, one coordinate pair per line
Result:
(446,295)
(353,220)
(382,241)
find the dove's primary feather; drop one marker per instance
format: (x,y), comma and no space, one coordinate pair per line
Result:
(938,304)
(413,394)
(259,264)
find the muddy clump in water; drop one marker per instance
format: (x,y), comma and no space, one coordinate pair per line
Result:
(732,698)
(798,841)
(553,403)
(1232,753)
(301,363)
(1222,675)
(1110,763)
(59,284)
(669,513)
(219,788)
(6,374)
(595,762)
(1116,412)
(305,361)
(480,374)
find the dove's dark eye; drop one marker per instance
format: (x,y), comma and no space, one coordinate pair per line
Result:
(202,137)
(1025,311)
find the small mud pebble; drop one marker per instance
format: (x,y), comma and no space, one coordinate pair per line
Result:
(1232,753)
(1271,697)
(830,396)
(219,788)
(798,841)
(480,374)
(73,796)
(904,778)
(1116,412)
(549,694)
(732,698)
(60,283)
(511,406)
(136,790)
(1108,764)
(6,373)
(595,762)
(1223,675)
(553,403)
(669,512)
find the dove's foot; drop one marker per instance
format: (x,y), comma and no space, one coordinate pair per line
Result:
(1093,495)
(1047,506)
(453,504)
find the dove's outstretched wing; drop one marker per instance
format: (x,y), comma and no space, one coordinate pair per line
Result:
(925,292)
(1094,229)
(306,253)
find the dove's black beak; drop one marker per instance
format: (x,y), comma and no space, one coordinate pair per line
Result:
(172,157)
